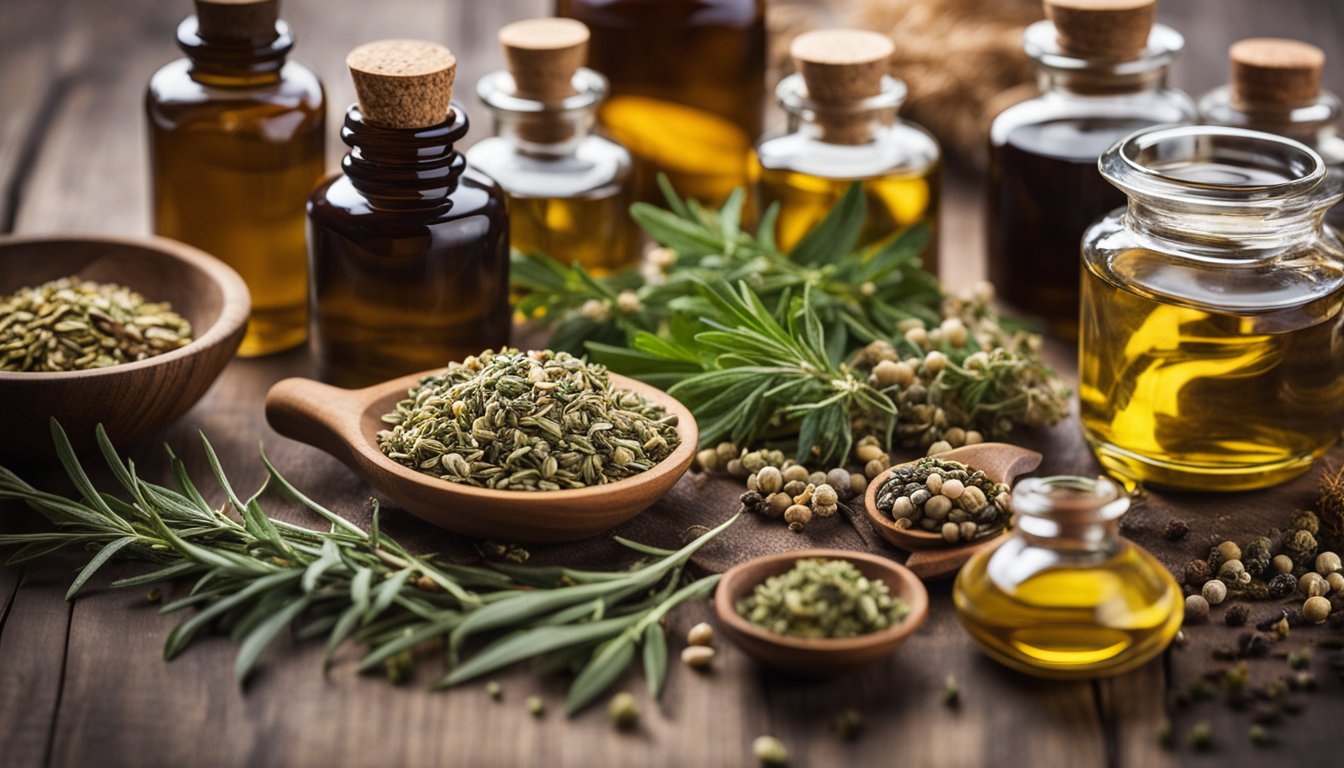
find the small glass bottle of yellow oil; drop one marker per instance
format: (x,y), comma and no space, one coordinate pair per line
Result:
(409,246)
(1212,346)
(1065,596)
(843,129)
(236,144)
(1276,88)
(569,189)
(687,88)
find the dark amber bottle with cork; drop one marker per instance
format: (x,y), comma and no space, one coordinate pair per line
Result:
(409,247)
(569,189)
(843,129)
(1102,66)
(687,84)
(1276,87)
(236,143)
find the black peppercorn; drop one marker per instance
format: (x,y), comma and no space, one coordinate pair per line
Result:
(1236,614)
(1175,530)
(1253,644)
(1197,572)
(1256,556)
(1282,585)
(752,502)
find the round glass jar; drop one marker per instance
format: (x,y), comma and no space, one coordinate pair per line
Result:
(1065,596)
(1211,354)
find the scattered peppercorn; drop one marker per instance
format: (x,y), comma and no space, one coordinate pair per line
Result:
(1282,564)
(1236,614)
(1175,530)
(1259,735)
(1327,563)
(1316,609)
(1257,555)
(770,751)
(951,693)
(623,711)
(493,688)
(1306,520)
(1200,736)
(1196,609)
(1282,585)
(536,706)
(1215,592)
(1197,573)
(153,596)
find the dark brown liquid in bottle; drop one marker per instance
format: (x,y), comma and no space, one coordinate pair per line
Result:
(1045,191)
(687,87)
(409,254)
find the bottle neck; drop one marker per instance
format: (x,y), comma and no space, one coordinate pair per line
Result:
(1070,514)
(1073,82)
(235,63)
(404,168)
(542,129)
(1314,124)
(851,122)
(1065,72)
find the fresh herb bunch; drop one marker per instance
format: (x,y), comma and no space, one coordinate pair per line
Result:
(770,347)
(254,576)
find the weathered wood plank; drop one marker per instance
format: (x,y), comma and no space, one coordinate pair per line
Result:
(31,84)
(32,650)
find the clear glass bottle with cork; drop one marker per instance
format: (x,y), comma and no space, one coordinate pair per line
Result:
(688,87)
(236,144)
(843,128)
(569,189)
(1065,596)
(1212,348)
(409,247)
(1102,68)
(1276,87)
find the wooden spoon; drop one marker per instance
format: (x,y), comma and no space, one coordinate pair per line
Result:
(930,554)
(344,422)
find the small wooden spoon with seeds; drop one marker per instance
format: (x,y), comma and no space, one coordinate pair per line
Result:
(931,555)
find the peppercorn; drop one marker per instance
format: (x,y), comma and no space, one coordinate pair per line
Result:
(1256,590)
(1232,571)
(776,504)
(697,656)
(708,460)
(1214,591)
(797,516)
(951,693)
(1236,614)
(794,488)
(1302,548)
(700,634)
(1257,555)
(825,496)
(1312,585)
(1327,563)
(858,483)
(752,501)
(1282,585)
(536,706)
(838,479)
(1336,582)
(823,510)
(769,480)
(493,688)
(1196,609)
(623,710)
(770,751)
(874,468)
(1197,572)
(1316,609)
(1259,735)
(1175,530)
(1306,520)
(941,446)
(1200,736)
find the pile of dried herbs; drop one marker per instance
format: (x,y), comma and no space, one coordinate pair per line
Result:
(72,324)
(535,421)
(819,598)
(788,348)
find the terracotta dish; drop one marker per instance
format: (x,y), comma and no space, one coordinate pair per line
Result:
(817,658)
(344,423)
(932,555)
(131,399)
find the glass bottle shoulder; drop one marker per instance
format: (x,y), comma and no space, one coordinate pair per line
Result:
(336,202)
(174,97)
(1071,125)
(594,168)
(899,148)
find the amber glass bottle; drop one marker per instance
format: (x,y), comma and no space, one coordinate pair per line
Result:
(569,189)
(1102,67)
(236,143)
(687,85)
(843,129)
(409,247)
(1276,87)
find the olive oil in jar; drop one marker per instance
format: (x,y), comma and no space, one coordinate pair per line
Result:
(843,129)
(1064,596)
(1212,347)
(409,246)
(688,87)
(569,189)
(236,144)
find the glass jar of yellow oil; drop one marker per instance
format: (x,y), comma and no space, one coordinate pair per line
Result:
(1212,346)
(1065,596)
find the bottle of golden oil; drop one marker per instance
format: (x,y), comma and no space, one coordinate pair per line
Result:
(687,85)
(1212,349)
(1065,596)
(1276,88)
(843,129)
(569,190)
(409,247)
(236,143)
(1102,68)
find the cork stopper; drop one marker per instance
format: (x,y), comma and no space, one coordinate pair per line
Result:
(237,20)
(1111,29)
(543,55)
(840,67)
(1273,73)
(403,83)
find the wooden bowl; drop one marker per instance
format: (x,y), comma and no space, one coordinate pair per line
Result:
(826,657)
(131,399)
(344,423)
(932,554)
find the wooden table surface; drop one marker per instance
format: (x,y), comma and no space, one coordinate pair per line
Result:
(84,683)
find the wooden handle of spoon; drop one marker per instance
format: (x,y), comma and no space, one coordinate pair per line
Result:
(318,414)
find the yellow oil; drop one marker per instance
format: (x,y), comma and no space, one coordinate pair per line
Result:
(895,203)
(1073,622)
(1185,397)
(594,230)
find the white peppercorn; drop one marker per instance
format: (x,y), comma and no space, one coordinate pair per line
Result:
(1215,592)
(838,479)
(953,488)
(1196,609)
(825,496)
(770,751)
(769,480)
(1282,563)
(1312,584)
(1316,609)
(951,532)
(1327,563)
(934,483)
(1336,582)
(796,472)
(942,446)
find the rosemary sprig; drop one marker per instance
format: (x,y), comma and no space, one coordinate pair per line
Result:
(255,576)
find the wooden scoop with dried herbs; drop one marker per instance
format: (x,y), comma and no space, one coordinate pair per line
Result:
(253,576)
(535,421)
(72,325)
